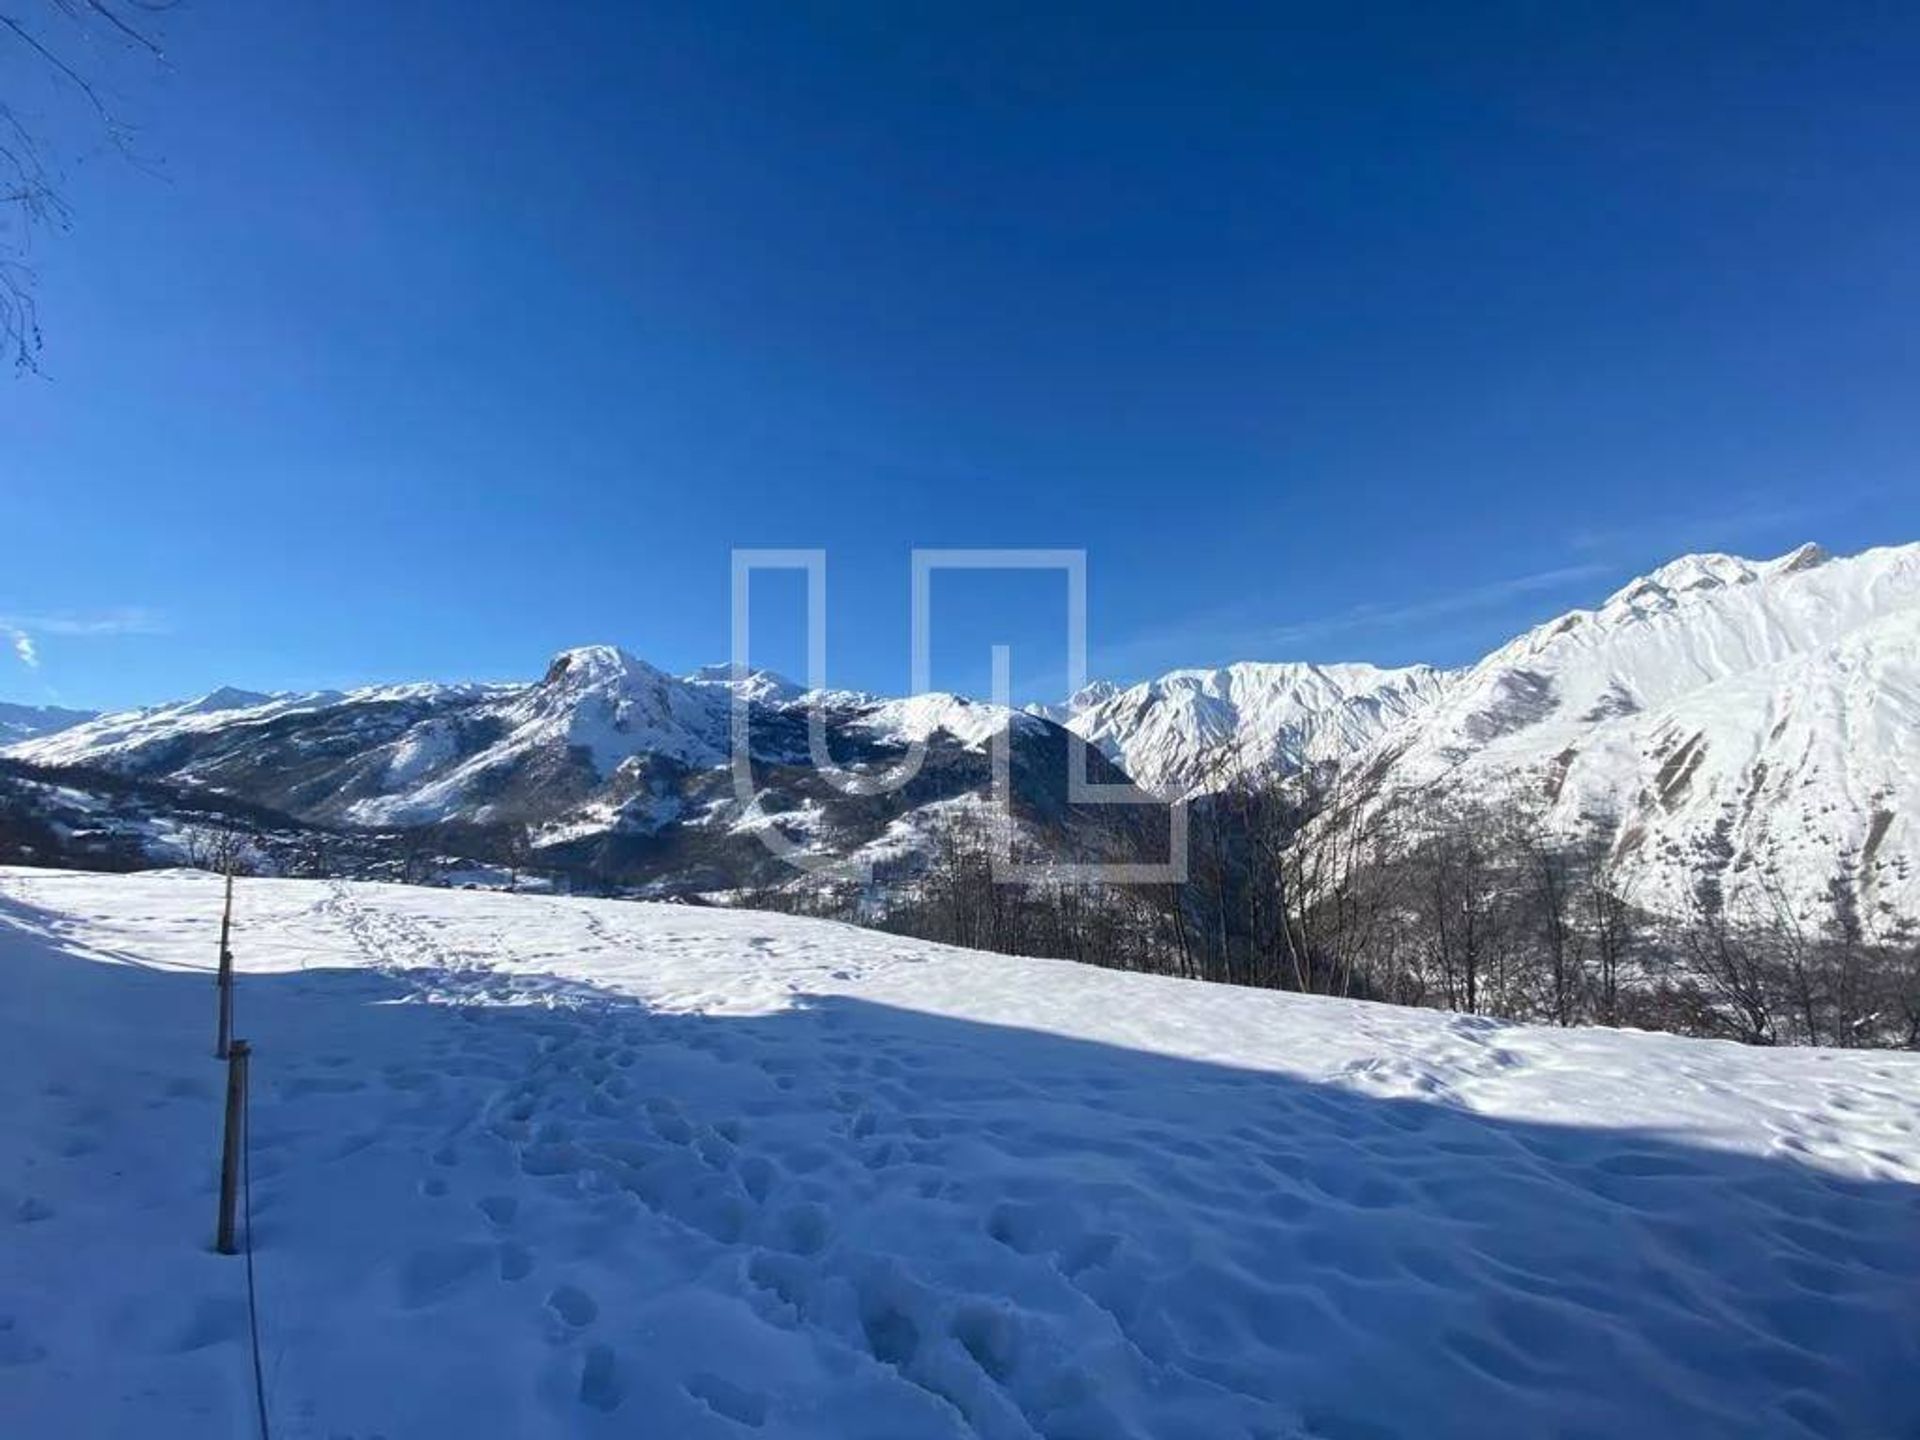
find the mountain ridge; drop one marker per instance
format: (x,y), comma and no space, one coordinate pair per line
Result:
(1753,723)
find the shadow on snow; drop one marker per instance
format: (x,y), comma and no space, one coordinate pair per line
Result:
(881,1222)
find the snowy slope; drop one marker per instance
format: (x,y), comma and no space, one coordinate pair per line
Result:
(597,708)
(556,1170)
(1179,733)
(144,740)
(1758,721)
(27,722)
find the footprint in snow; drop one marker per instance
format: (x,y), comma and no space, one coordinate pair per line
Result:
(723,1397)
(601,1384)
(573,1305)
(758,1174)
(515,1260)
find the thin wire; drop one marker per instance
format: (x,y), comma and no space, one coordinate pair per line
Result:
(253,1302)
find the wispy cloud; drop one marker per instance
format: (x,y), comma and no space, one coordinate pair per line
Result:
(1757,517)
(23,632)
(1688,534)
(1435,607)
(1223,636)
(126,620)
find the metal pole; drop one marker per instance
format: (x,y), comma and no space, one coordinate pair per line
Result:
(230,1156)
(225,978)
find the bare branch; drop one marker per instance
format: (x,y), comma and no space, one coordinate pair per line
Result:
(29,197)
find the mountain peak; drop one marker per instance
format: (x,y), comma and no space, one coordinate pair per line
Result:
(1707,571)
(1094,692)
(768,687)
(1711,570)
(595,667)
(1806,557)
(227,697)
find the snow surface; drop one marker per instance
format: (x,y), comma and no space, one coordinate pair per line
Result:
(530,1167)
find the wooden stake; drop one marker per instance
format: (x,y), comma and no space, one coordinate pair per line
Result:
(230,1153)
(225,978)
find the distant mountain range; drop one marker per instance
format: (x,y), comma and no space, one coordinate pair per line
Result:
(25,722)
(618,771)
(1757,722)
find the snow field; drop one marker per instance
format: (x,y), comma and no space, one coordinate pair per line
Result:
(530,1167)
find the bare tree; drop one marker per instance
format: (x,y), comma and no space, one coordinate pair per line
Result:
(1897,989)
(1332,891)
(1847,963)
(64,41)
(1303,881)
(1611,920)
(311,857)
(1732,966)
(1552,942)
(227,849)
(1456,895)
(420,857)
(516,852)
(1796,963)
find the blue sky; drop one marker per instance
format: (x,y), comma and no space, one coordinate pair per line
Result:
(430,339)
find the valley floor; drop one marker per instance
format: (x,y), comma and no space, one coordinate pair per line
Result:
(529,1167)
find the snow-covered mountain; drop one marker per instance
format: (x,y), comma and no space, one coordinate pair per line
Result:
(1189,730)
(146,740)
(1093,693)
(1751,722)
(1754,721)
(25,722)
(618,767)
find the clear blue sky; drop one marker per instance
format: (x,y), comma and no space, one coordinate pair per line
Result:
(449,335)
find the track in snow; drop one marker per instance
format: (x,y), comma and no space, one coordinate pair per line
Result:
(516,1176)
